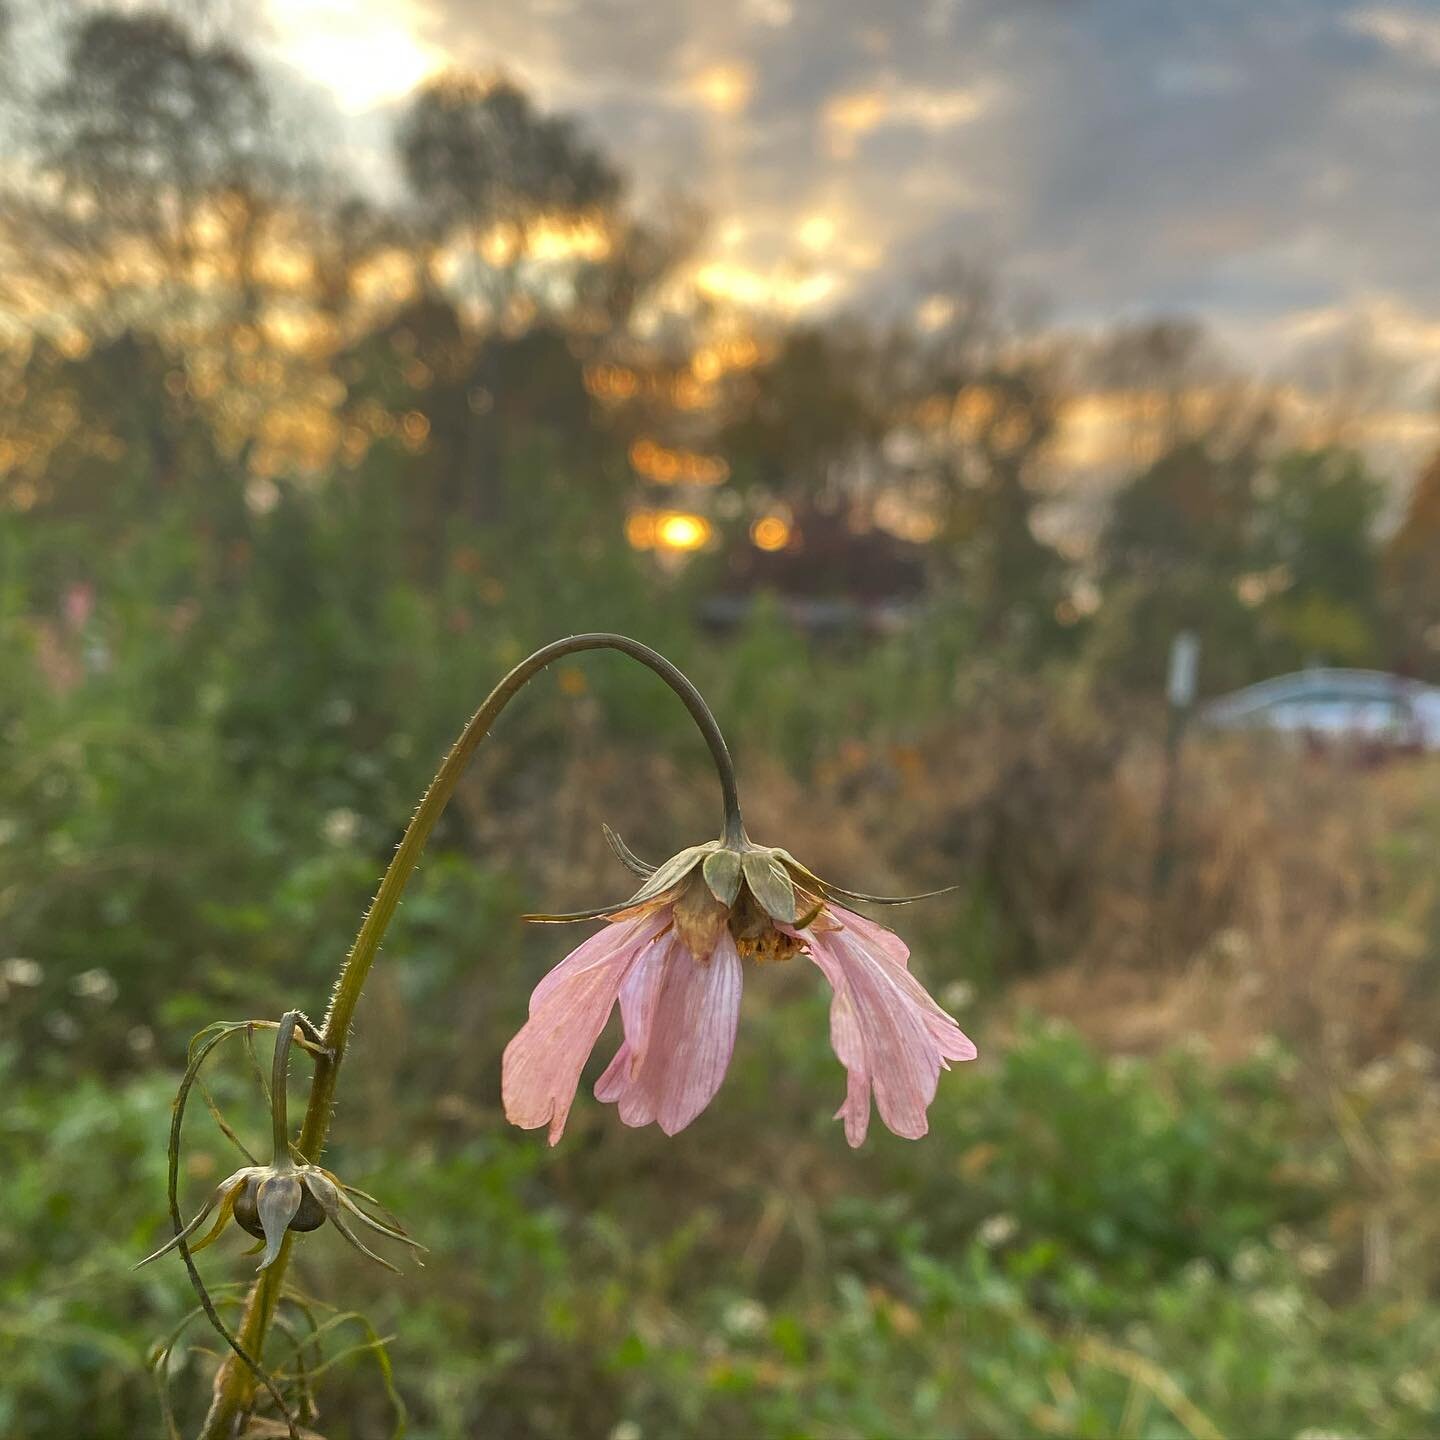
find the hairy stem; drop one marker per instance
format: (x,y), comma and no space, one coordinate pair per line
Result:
(234,1382)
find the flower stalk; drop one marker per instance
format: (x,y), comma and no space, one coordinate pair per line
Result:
(236,1379)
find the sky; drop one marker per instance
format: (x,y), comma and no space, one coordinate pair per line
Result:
(1268,166)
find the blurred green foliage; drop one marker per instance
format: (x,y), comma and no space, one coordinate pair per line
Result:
(1081,1247)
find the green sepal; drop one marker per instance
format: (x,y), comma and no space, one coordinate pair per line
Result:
(722,872)
(227,1209)
(625,855)
(839,891)
(601,912)
(670,874)
(771,885)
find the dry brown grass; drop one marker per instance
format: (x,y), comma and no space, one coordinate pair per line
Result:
(1303,904)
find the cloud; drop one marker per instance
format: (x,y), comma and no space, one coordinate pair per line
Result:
(1239,161)
(891,102)
(1411,34)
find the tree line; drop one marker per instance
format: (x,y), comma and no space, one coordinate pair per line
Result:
(204,315)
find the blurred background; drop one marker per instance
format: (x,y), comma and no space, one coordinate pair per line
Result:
(937,384)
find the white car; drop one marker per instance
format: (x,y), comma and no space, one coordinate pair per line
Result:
(1339,705)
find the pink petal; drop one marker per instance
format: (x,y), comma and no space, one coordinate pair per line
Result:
(638,994)
(849,1045)
(680,1016)
(542,1064)
(875,935)
(886,1030)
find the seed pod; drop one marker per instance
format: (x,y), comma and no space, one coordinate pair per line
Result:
(310,1215)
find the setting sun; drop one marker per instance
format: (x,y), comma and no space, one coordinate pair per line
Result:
(364,54)
(676,530)
(679,531)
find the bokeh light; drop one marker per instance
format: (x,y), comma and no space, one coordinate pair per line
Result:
(770,532)
(677,530)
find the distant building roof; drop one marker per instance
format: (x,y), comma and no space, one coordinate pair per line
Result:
(830,576)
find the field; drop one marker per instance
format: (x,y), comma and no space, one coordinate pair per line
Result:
(1184,1191)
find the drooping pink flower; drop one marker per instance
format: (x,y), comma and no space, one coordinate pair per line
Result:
(671,957)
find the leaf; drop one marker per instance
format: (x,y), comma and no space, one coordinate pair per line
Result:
(199,1049)
(374,1343)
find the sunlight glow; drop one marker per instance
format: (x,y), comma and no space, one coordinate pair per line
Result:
(673,530)
(366,54)
(858,112)
(724,88)
(677,531)
(816,232)
(550,239)
(781,289)
(934,312)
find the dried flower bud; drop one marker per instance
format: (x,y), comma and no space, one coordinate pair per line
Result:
(268,1200)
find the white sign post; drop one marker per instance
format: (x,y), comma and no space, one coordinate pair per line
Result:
(1180,690)
(1184,670)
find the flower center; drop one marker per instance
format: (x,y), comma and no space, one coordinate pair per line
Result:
(755,934)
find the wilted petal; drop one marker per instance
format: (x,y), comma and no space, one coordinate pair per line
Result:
(876,937)
(680,1016)
(889,1034)
(638,994)
(568,1010)
(849,1046)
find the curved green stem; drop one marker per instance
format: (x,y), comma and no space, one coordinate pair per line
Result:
(234,1383)
(367,943)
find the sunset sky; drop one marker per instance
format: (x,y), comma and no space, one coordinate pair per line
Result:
(1268,165)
